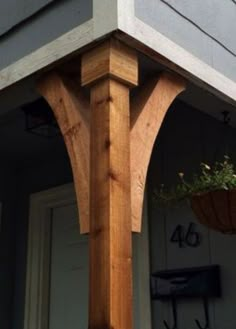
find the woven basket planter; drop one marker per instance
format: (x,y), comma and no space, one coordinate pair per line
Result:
(216,210)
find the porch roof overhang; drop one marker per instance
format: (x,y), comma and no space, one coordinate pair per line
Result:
(124,25)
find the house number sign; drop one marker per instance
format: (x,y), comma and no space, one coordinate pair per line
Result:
(186,237)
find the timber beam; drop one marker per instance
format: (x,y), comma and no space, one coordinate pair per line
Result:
(110,70)
(110,142)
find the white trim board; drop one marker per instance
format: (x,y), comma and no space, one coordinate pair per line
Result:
(46,55)
(65,45)
(38,259)
(104,17)
(121,17)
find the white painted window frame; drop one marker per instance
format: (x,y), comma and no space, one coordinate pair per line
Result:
(38,264)
(121,17)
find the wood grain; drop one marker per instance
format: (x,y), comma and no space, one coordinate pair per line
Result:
(110,217)
(71,110)
(148,110)
(111,59)
(110,69)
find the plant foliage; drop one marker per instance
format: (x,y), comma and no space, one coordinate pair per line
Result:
(221,175)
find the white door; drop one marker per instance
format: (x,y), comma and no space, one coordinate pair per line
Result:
(69,272)
(57,272)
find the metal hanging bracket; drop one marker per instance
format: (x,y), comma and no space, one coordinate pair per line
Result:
(174,310)
(226,117)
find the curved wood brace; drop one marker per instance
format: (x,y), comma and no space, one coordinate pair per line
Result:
(148,110)
(147,113)
(71,110)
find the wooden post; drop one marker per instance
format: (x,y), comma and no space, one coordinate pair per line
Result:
(110,144)
(111,69)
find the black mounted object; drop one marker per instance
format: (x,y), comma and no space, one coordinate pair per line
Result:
(197,282)
(40,120)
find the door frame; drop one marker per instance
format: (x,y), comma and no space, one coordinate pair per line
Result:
(38,258)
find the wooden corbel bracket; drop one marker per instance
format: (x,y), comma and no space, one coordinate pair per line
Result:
(147,111)
(72,112)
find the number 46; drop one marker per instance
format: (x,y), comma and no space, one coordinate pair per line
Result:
(190,238)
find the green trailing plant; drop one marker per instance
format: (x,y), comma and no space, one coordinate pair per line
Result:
(220,176)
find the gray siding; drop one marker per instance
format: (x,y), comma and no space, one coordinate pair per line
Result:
(12,12)
(188,138)
(33,33)
(204,28)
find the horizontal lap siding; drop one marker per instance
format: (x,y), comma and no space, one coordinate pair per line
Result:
(12,12)
(204,28)
(42,28)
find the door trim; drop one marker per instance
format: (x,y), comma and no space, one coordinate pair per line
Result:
(38,258)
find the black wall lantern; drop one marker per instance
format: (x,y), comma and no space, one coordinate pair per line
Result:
(40,120)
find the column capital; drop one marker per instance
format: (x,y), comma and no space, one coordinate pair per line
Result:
(111,59)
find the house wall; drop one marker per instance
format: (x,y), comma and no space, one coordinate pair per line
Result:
(204,29)
(13,12)
(188,138)
(28,25)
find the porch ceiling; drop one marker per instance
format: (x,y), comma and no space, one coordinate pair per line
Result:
(194,95)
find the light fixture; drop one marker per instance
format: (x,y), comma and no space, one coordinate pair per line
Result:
(39,119)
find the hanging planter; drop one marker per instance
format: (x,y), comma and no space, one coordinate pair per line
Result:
(216,210)
(212,195)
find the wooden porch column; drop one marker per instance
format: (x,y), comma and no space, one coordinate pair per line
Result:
(110,69)
(109,144)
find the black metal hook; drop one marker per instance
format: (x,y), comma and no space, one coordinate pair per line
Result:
(226,117)
(206,326)
(174,311)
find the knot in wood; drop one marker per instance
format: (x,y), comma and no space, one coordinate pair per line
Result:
(72,131)
(107,143)
(97,232)
(109,99)
(112,175)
